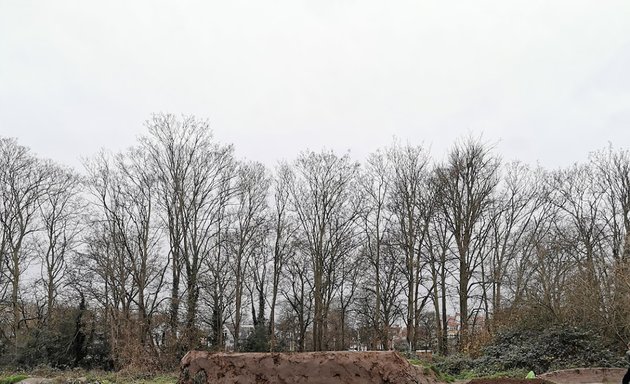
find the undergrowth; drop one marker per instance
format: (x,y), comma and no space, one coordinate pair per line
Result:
(12,379)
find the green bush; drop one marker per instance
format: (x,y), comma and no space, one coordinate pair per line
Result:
(549,349)
(454,365)
(258,340)
(522,350)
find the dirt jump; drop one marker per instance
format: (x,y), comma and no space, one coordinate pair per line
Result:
(567,376)
(586,376)
(199,367)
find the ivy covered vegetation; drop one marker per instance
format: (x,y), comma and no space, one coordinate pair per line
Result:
(540,350)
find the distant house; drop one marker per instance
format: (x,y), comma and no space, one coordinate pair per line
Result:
(158,333)
(228,335)
(398,336)
(453,326)
(425,354)
(478,324)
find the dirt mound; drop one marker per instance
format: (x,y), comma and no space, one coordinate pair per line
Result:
(585,375)
(313,367)
(509,381)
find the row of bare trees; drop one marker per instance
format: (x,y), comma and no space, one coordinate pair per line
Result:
(175,244)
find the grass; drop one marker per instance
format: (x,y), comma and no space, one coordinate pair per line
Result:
(127,378)
(81,376)
(443,376)
(468,374)
(12,379)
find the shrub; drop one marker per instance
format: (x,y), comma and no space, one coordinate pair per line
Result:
(258,340)
(522,350)
(549,349)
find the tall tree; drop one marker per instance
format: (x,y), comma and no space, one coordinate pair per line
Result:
(412,209)
(298,294)
(60,211)
(467,182)
(375,183)
(282,237)
(518,200)
(439,244)
(612,172)
(23,181)
(106,254)
(144,234)
(195,175)
(251,190)
(326,207)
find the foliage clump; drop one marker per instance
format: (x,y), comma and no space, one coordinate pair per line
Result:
(258,340)
(558,347)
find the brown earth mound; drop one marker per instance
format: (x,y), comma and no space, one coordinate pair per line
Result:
(509,381)
(313,368)
(585,375)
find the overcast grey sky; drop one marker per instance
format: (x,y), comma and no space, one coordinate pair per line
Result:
(547,81)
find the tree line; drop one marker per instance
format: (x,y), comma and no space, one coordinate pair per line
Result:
(176,244)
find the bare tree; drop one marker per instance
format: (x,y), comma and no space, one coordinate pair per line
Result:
(175,243)
(282,232)
(613,176)
(22,183)
(60,212)
(298,294)
(535,241)
(195,176)
(218,284)
(612,173)
(134,271)
(252,186)
(349,270)
(549,271)
(375,219)
(412,210)
(145,260)
(439,248)
(467,183)
(582,230)
(325,204)
(105,256)
(517,202)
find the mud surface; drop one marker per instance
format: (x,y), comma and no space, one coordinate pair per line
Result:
(586,376)
(313,368)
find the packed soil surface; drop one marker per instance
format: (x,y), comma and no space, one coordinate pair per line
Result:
(586,376)
(312,368)
(509,381)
